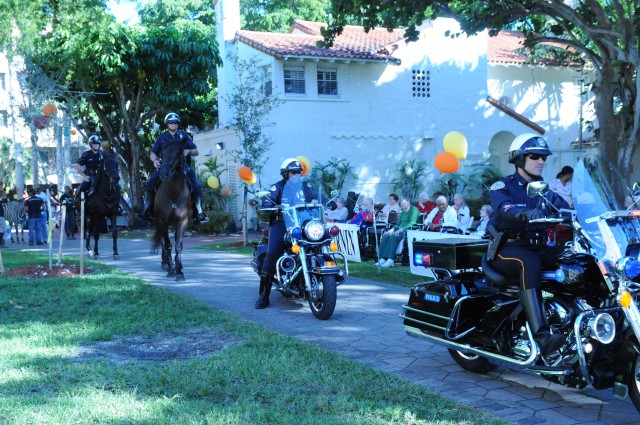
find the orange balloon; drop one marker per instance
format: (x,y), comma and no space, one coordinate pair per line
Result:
(446,162)
(49,110)
(245,173)
(252,180)
(305,164)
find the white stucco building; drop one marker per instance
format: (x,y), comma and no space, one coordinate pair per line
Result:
(377,101)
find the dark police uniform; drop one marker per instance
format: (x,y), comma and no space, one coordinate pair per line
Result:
(525,251)
(92,163)
(160,142)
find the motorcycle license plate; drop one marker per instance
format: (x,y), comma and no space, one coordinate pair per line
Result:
(432,298)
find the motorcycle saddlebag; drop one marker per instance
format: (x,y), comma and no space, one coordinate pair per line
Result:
(431,303)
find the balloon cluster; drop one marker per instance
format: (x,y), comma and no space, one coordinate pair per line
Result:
(306,165)
(247,176)
(48,111)
(455,148)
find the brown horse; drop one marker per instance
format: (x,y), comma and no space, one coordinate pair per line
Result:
(172,207)
(102,204)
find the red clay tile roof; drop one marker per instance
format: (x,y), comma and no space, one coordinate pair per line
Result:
(507,47)
(353,43)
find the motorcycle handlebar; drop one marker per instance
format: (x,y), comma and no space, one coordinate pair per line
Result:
(546,220)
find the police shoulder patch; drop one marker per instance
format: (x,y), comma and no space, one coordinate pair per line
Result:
(497,185)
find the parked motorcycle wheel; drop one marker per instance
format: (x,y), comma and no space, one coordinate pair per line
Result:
(472,362)
(634,383)
(322,297)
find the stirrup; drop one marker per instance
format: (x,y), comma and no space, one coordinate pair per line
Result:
(202,218)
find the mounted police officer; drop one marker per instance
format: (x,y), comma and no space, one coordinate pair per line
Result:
(290,167)
(89,165)
(524,251)
(174,135)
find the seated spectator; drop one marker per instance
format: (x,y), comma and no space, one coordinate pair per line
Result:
(463,213)
(562,184)
(424,204)
(481,227)
(392,238)
(441,216)
(365,214)
(391,206)
(339,214)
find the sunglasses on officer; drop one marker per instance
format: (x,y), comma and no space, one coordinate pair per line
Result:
(535,157)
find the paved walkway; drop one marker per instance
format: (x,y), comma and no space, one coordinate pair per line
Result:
(365,327)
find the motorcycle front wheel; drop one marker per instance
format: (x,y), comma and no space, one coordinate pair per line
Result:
(322,297)
(472,362)
(634,383)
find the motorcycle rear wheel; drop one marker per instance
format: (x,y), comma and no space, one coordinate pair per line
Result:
(634,383)
(472,362)
(322,297)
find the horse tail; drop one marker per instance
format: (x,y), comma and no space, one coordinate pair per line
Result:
(156,242)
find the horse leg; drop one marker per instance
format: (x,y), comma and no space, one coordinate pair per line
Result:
(180,230)
(114,235)
(171,271)
(87,235)
(97,228)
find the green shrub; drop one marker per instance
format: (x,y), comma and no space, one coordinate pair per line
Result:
(219,222)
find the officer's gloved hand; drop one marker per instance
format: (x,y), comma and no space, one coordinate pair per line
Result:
(533,214)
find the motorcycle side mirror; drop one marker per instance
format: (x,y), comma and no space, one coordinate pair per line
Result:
(261,194)
(537,189)
(636,189)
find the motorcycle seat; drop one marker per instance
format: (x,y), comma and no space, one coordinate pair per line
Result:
(494,276)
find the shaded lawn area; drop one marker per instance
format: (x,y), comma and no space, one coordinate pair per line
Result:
(55,367)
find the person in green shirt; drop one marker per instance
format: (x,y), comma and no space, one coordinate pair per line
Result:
(392,237)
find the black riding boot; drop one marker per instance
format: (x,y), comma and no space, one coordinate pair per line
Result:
(2,239)
(531,300)
(147,211)
(199,216)
(265,289)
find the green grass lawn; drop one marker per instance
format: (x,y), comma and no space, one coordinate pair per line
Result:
(258,376)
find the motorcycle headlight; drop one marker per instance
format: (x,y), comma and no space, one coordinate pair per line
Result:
(628,267)
(314,230)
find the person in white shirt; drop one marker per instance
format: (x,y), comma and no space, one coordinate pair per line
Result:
(339,214)
(481,228)
(441,216)
(562,184)
(464,214)
(391,206)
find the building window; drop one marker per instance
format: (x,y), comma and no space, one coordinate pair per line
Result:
(421,81)
(4,119)
(3,81)
(267,84)
(294,79)
(328,81)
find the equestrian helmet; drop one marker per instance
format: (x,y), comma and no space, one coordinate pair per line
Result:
(290,164)
(95,139)
(172,118)
(526,144)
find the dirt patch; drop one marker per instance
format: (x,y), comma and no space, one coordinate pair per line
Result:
(175,345)
(43,272)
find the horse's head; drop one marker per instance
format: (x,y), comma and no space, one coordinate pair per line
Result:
(172,160)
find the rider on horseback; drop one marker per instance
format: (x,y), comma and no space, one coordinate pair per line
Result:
(89,165)
(173,135)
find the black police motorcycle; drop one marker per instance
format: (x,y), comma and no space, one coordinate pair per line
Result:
(590,297)
(309,267)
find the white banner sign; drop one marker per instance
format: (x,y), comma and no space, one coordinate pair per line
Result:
(348,241)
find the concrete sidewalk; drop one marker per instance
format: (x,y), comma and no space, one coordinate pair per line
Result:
(365,327)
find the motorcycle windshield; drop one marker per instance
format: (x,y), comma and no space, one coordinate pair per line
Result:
(300,202)
(598,188)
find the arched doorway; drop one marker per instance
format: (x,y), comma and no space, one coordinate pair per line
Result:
(499,151)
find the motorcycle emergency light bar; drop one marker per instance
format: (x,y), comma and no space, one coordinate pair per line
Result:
(422,259)
(613,214)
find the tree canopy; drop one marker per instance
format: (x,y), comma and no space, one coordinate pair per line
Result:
(278,15)
(605,34)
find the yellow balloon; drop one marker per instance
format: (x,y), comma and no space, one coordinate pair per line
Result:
(252,180)
(213,182)
(306,164)
(455,143)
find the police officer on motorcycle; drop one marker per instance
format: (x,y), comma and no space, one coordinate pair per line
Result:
(290,167)
(524,252)
(174,135)
(89,165)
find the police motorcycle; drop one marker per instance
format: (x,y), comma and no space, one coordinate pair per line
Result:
(310,267)
(591,297)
